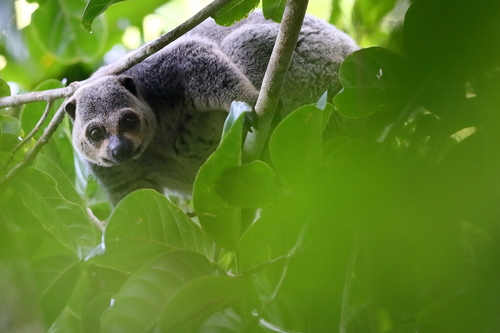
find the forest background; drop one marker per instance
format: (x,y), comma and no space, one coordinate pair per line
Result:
(395,232)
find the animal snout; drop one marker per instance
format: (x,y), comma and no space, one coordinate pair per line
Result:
(120,149)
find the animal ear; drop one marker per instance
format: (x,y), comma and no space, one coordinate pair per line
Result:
(70,107)
(128,83)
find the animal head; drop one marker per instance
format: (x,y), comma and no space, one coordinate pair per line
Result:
(111,123)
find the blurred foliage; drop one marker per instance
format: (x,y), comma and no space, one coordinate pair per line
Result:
(394,231)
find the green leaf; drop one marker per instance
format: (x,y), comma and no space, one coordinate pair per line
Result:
(193,303)
(56,25)
(295,148)
(67,221)
(93,9)
(219,219)
(251,185)
(92,315)
(373,79)
(4,88)
(55,279)
(372,12)
(146,224)
(451,32)
(274,234)
(348,156)
(10,132)
(331,146)
(273,9)
(234,11)
(19,301)
(230,321)
(64,184)
(67,321)
(137,306)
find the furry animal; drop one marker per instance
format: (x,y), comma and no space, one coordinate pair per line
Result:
(154,125)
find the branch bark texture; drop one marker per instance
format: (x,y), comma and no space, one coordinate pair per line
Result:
(293,17)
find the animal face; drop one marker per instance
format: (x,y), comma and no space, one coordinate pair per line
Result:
(111,124)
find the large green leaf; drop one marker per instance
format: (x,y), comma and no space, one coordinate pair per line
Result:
(451,32)
(273,9)
(146,224)
(55,278)
(64,184)
(193,303)
(235,11)
(274,234)
(93,9)
(295,148)
(370,13)
(56,25)
(19,301)
(67,321)
(373,79)
(251,185)
(218,218)
(67,221)
(138,304)
(231,321)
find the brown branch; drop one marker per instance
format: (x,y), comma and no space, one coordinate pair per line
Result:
(267,102)
(127,62)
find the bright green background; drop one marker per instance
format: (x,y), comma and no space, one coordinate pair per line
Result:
(395,232)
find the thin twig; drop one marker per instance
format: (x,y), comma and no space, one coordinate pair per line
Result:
(31,134)
(281,57)
(44,139)
(36,96)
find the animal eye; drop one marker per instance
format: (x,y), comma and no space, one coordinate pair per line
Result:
(95,133)
(129,122)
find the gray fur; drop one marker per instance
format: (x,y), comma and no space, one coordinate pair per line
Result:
(167,112)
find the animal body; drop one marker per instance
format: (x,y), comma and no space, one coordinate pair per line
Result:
(154,125)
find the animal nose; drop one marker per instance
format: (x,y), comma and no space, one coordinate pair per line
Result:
(120,148)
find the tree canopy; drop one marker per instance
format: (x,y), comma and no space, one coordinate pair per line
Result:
(393,232)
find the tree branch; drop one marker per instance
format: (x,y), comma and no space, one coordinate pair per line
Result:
(162,41)
(127,62)
(267,102)
(36,96)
